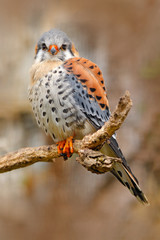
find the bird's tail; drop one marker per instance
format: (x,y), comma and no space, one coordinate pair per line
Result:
(127,179)
(122,171)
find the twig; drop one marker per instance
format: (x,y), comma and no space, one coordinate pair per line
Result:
(92,160)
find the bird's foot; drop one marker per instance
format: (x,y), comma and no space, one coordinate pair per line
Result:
(65,148)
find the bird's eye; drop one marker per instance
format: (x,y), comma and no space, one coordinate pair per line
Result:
(64,46)
(44,47)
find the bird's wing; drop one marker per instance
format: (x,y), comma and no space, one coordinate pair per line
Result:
(90,95)
(90,92)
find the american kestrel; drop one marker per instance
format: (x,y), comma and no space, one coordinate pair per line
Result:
(69,100)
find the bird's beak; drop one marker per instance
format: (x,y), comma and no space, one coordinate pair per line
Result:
(53,49)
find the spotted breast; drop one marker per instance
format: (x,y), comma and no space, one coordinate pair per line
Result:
(59,100)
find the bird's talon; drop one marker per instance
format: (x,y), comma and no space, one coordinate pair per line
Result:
(65,148)
(64,155)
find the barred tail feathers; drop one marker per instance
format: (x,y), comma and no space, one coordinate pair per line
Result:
(128,180)
(122,171)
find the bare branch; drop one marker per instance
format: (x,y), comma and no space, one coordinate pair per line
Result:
(93,160)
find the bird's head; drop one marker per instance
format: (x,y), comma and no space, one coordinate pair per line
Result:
(54,45)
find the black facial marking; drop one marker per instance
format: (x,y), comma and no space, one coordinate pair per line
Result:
(43,46)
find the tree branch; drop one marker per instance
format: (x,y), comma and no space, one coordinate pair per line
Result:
(92,160)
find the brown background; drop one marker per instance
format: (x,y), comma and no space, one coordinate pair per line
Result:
(63,201)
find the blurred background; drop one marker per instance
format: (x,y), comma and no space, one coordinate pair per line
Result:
(62,201)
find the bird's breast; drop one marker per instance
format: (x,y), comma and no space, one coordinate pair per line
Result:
(54,106)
